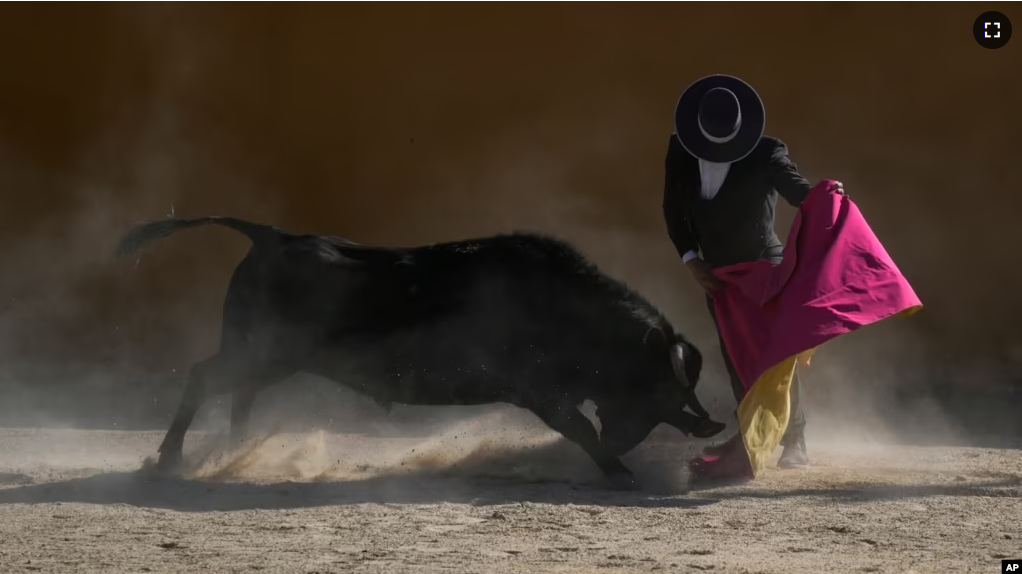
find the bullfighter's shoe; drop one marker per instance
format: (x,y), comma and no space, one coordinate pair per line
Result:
(794,456)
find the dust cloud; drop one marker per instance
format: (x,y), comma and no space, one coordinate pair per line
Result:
(481,447)
(502,443)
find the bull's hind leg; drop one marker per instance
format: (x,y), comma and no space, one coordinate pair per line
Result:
(245,391)
(574,426)
(205,378)
(241,408)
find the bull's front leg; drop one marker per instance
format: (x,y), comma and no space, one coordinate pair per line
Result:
(570,422)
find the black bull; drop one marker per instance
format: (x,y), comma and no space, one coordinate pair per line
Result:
(519,319)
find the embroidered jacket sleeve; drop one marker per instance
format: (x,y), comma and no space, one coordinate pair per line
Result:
(785,177)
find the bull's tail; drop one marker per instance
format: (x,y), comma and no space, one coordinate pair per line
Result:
(140,235)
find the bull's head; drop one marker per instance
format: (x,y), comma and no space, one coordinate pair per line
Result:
(627,422)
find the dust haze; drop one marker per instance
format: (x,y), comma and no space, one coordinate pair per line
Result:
(433,123)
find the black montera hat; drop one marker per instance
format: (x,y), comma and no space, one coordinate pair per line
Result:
(719,119)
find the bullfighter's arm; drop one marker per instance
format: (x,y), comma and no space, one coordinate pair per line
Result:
(785,177)
(676,215)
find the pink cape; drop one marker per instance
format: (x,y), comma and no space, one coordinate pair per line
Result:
(835,278)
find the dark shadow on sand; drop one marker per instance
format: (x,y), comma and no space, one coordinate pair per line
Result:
(144,489)
(555,473)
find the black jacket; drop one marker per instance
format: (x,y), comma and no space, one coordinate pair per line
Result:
(737,225)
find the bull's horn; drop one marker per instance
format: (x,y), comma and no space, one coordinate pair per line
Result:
(678,364)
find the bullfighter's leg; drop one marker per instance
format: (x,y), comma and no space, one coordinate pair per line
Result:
(574,426)
(794,453)
(737,388)
(200,383)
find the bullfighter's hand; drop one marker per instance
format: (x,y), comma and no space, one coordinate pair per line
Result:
(839,188)
(703,274)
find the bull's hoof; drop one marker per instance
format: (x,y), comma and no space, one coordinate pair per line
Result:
(169,462)
(623,482)
(707,428)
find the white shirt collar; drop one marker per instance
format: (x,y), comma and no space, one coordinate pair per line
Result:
(712,176)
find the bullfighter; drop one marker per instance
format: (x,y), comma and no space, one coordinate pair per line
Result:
(723,177)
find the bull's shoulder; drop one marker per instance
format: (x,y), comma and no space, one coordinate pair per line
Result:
(561,259)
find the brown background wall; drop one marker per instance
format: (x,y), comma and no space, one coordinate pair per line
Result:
(404,124)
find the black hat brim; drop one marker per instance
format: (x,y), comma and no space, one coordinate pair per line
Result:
(686,120)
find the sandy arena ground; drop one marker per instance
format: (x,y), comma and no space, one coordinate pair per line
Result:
(469,501)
